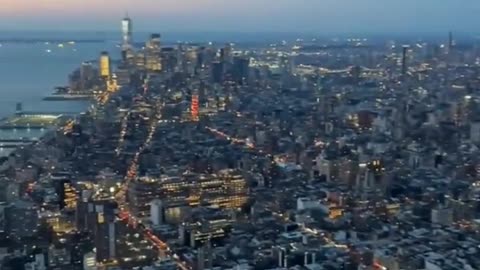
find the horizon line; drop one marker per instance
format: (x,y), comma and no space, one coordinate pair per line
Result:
(213,31)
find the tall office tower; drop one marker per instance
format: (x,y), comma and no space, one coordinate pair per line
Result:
(450,42)
(217,72)
(105,233)
(128,55)
(123,75)
(157,212)
(240,68)
(19,108)
(126,33)
(194,107)
(200,58)
(104,65)
(87,75)
(226,53)
(404,59)
(153,62)
(169,60)
(81,216)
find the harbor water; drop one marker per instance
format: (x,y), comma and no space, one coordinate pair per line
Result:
(29,71)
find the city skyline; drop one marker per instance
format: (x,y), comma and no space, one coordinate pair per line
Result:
(239,134)
(326,16)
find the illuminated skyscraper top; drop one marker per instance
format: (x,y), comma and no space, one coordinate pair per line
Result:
(126,31)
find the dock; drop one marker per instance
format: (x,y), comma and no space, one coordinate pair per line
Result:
(67,97)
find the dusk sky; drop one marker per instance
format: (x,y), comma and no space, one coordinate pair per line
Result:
(341,16)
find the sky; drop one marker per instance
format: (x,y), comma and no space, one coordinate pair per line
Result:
(302,16)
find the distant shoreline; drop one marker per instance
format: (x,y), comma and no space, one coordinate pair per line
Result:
(225,36)
(46,40)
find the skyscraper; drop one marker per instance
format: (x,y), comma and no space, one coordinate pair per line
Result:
(450,42)
(104,65)
(404,59)
(152,54)
(105,232)
(240,68)
(157,212)
(194,106)
(126,32)
(217,72)
(226,53)
(87,76)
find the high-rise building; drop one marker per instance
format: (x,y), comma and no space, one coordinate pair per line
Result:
(19,108)
(105,232)
(240,68)
(217,72)
(153,62)
(89,212)
(404,59)
(157,212)
(126,33)
(87,75)
(169,59)
(104,65)
(450,42)
(139,60)
(66,193)
(226,53)
(194,107)
(89,261)
(123,75)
